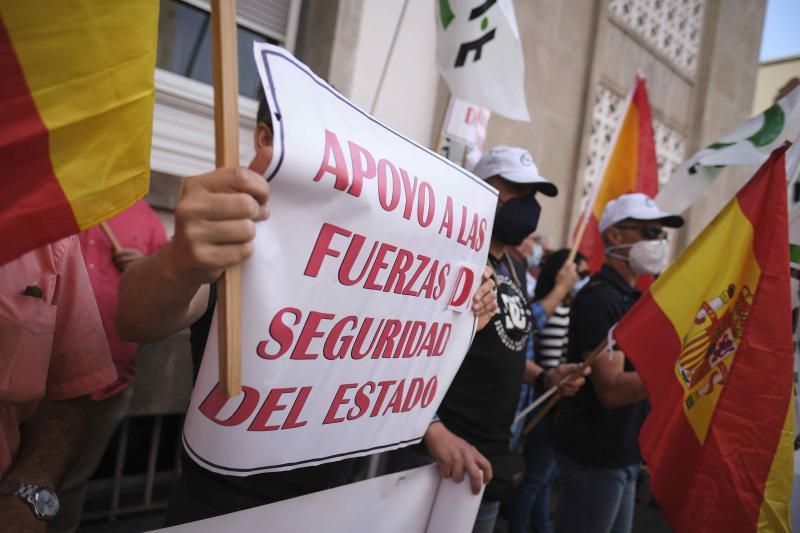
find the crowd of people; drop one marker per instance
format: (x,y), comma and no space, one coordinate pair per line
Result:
(64,385)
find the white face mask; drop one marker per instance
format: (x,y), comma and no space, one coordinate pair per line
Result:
(645,257)
(581,283)
(536,257)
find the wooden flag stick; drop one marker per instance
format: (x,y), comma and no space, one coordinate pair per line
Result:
(542,412)
(226,136)
(584,221)
(586,214)
(115,245)
(539,401)
(603,348)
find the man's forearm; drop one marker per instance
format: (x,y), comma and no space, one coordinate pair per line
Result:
(154,302)
(613,385)
(49,442)
(627,388)
(531,372)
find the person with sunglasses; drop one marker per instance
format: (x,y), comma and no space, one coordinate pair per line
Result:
(597,430)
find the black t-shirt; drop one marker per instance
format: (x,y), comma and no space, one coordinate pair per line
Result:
(480,404)
(263,488)
(585,431)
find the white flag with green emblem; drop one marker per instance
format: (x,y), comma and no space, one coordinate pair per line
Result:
(749,145)
(479,54)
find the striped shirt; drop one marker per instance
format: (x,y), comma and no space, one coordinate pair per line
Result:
(551,340)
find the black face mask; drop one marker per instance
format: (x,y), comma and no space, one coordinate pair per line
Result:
(516,219)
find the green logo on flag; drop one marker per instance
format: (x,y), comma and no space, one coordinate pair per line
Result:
(446,13)
(773,126)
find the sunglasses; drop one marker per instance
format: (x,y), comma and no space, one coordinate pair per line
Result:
(649,233)
(584,275)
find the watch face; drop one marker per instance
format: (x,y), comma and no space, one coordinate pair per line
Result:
(45,502)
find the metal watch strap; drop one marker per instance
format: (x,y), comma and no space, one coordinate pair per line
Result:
(25,491)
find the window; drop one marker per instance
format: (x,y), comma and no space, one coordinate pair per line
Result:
(184,46)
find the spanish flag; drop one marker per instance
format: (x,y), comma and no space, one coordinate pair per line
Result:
(712,340)
(630,167)
(76,115)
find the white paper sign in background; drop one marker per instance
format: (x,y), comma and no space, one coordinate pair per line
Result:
(355,303)
(466,123)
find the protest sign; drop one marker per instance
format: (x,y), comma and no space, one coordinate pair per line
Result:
(356,301)
(413,501)
(466,123)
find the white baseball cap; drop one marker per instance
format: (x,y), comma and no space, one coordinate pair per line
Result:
(514,164)
(638,206)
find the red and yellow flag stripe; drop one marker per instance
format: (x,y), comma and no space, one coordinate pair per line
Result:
(76,107)
(631,167)
(712,342)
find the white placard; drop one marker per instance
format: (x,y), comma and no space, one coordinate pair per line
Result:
(355,303)
(413,501)
(466,123)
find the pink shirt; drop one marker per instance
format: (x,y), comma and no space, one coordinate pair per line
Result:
(137,227)
(52,343)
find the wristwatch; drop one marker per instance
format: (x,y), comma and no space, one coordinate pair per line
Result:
(42,500)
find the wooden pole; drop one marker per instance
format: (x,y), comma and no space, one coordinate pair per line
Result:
(115,245)
(539,401)
(440,137)
(586,214)
(226,136)
(584,221)
(603,348)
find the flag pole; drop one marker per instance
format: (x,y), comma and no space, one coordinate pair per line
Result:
(115,245)
(226,136)
(584,221)
(580,230)
(440,138)
(389,54)
(554,394)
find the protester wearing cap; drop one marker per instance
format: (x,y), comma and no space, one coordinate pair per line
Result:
(516,165)
(475,417)
(597,430)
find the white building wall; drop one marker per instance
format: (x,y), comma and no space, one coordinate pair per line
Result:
(407,98)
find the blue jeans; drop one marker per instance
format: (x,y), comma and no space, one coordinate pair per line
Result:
(487,516)
(532,499)
(595,499)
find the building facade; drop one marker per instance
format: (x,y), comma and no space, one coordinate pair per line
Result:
(699,57)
